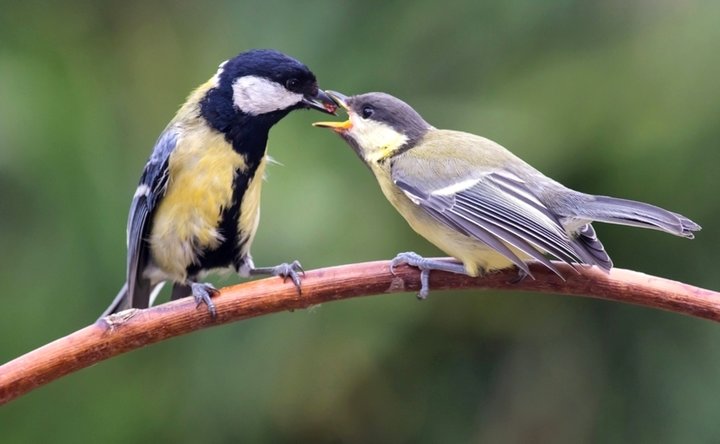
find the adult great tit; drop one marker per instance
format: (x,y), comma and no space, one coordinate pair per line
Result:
(477,201)
(198,203)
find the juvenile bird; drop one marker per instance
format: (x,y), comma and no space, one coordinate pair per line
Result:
(477,201)
(198,203)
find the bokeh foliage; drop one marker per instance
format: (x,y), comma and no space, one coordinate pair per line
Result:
(619,98)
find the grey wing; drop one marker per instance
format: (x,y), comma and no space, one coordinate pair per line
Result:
(499,209)
(153,184)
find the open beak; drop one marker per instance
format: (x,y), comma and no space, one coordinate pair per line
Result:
(341,100)
(321,102)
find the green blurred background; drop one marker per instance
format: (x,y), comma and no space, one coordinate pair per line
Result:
(615,97)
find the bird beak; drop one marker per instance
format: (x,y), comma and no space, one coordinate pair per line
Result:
(321,102)
(341,100)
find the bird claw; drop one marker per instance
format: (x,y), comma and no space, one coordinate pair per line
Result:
(291,270)
(424,284)
(203,293)
(415,260)
(409,258)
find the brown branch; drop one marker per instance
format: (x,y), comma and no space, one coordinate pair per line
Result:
(133,329)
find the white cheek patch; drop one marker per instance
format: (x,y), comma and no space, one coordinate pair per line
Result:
(376,139)
(256,95)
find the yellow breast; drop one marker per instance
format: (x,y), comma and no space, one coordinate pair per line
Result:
(201,173)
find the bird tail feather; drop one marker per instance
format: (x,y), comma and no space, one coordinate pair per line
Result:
(141,297)
(120,303)
(590,249)
(637,214)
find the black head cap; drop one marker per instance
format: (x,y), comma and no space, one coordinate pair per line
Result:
(256,89)
(272,65)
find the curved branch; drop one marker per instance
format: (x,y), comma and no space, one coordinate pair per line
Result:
(133,329)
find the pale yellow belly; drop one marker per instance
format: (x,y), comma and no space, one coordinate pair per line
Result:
(476,256)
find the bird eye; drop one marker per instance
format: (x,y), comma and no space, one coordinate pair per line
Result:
(292,84)
(367,111)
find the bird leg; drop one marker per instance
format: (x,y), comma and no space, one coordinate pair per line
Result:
(286,270)
(425,266)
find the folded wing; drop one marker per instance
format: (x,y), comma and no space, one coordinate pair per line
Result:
(497,208)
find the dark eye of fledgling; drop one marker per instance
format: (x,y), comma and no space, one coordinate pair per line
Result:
(292,84)
(367,111)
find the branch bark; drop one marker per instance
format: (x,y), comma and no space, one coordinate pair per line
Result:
(133,329)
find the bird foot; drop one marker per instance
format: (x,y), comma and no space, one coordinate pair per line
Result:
(425,265)
(203,293)
(415,260)
(291,270)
